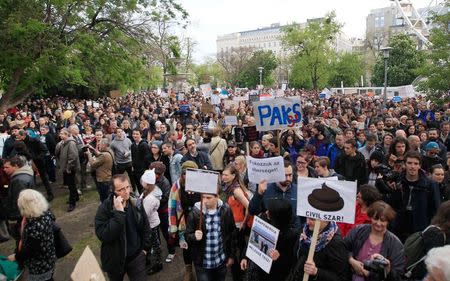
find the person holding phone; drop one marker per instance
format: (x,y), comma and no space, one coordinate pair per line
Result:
(123,228)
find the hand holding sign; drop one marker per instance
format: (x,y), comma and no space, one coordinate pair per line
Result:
(202,181)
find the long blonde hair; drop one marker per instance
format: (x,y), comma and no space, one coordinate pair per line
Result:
(31,203)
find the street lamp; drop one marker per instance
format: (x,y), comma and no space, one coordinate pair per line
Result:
(386,51)
(260,74)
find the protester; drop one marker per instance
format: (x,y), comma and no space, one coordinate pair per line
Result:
(68,163)
(102,164)
(139,152)
(212,240)
(369,243)
(352,164)
(200,158)
(36,248)
(122,227)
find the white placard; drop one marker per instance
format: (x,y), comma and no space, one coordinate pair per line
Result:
(201,181)
(328,200)
(96,105)
(241,98)
(215,99)
(230,120)
(206,90)
(263,237)
(231,103)
(88,103)
(278,114)
(269,169)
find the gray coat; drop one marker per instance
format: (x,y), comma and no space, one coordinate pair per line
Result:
(392,249)
(67,158)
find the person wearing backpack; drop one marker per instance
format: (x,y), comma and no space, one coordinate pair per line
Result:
(420,243)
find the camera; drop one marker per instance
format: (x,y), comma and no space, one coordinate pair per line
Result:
(377,269)
(387,173)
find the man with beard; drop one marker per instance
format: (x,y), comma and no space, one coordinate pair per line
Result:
(280,190)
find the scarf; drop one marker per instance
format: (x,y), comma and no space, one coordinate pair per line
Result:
(323,238)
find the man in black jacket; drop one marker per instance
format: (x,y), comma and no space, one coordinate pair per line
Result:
(139,152)
(200,158)
(352,164)
(38,151)
(123,228)
(214,242)
(49,141)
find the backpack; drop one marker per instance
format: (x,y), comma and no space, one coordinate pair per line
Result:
(415,250)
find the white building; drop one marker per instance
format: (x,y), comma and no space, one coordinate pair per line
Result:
(269,38)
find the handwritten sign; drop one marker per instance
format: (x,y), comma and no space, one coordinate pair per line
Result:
(269,169)
(327,200)
(231,104)
(201,181)
(230,120)
(263,237)
(278,113)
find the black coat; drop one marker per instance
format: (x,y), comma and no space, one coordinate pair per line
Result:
(228,232)
(202,160)
(331,261)
(110,228)
(139,154)
(352,168)
(22,178)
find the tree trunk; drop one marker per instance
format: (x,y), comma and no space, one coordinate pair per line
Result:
(10,98)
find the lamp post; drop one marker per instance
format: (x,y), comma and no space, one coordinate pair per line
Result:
(260,74)
(386,51)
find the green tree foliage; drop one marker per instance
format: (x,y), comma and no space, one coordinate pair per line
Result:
(249,76)
(347,68)
(233,62)
(403,62)
(207,72)
(312,54)
(436,69)
(58,44)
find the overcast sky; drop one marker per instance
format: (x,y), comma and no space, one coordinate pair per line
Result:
(210,18)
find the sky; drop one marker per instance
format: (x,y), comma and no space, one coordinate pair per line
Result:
(210,18)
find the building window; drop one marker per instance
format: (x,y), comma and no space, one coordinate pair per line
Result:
(379,21)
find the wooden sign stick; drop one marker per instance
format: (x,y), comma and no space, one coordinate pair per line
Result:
(201,214)
(312,247)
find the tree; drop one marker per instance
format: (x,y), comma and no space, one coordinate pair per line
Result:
(208,72)
(59,43)
(403,62)
(233,62)
(311,50)
(347,68)
(436,69)
(249,77)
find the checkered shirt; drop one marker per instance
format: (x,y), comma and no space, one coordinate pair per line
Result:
(214,253)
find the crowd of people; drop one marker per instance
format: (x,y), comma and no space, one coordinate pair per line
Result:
(136,149)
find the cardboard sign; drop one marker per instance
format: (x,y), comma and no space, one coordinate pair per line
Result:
(87,268)
(201,181)
(230,120)
(263,237)
(207,108)
(231,104)
(327,200)
(278,114)
(269,169)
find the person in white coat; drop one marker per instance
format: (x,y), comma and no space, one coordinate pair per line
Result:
(151,197)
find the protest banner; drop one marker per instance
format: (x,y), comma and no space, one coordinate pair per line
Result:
(202,181)
(278,114)
(231,104)
(241,98)
(230,120)
(87,268)
(263,237)
(269,169)
(326,200)
(280,93)
(206,90)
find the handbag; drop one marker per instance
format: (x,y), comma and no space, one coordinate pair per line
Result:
(62,246)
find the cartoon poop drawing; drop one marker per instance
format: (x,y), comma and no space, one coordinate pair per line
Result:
(326,199)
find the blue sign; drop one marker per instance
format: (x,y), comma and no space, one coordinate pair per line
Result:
(397,99)
(278,113)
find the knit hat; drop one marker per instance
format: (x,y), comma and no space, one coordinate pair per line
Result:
(149,177)
(377,155)
(326,199)
(431,145)
(189,165)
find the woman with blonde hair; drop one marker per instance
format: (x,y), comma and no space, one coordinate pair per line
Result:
(36,248)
